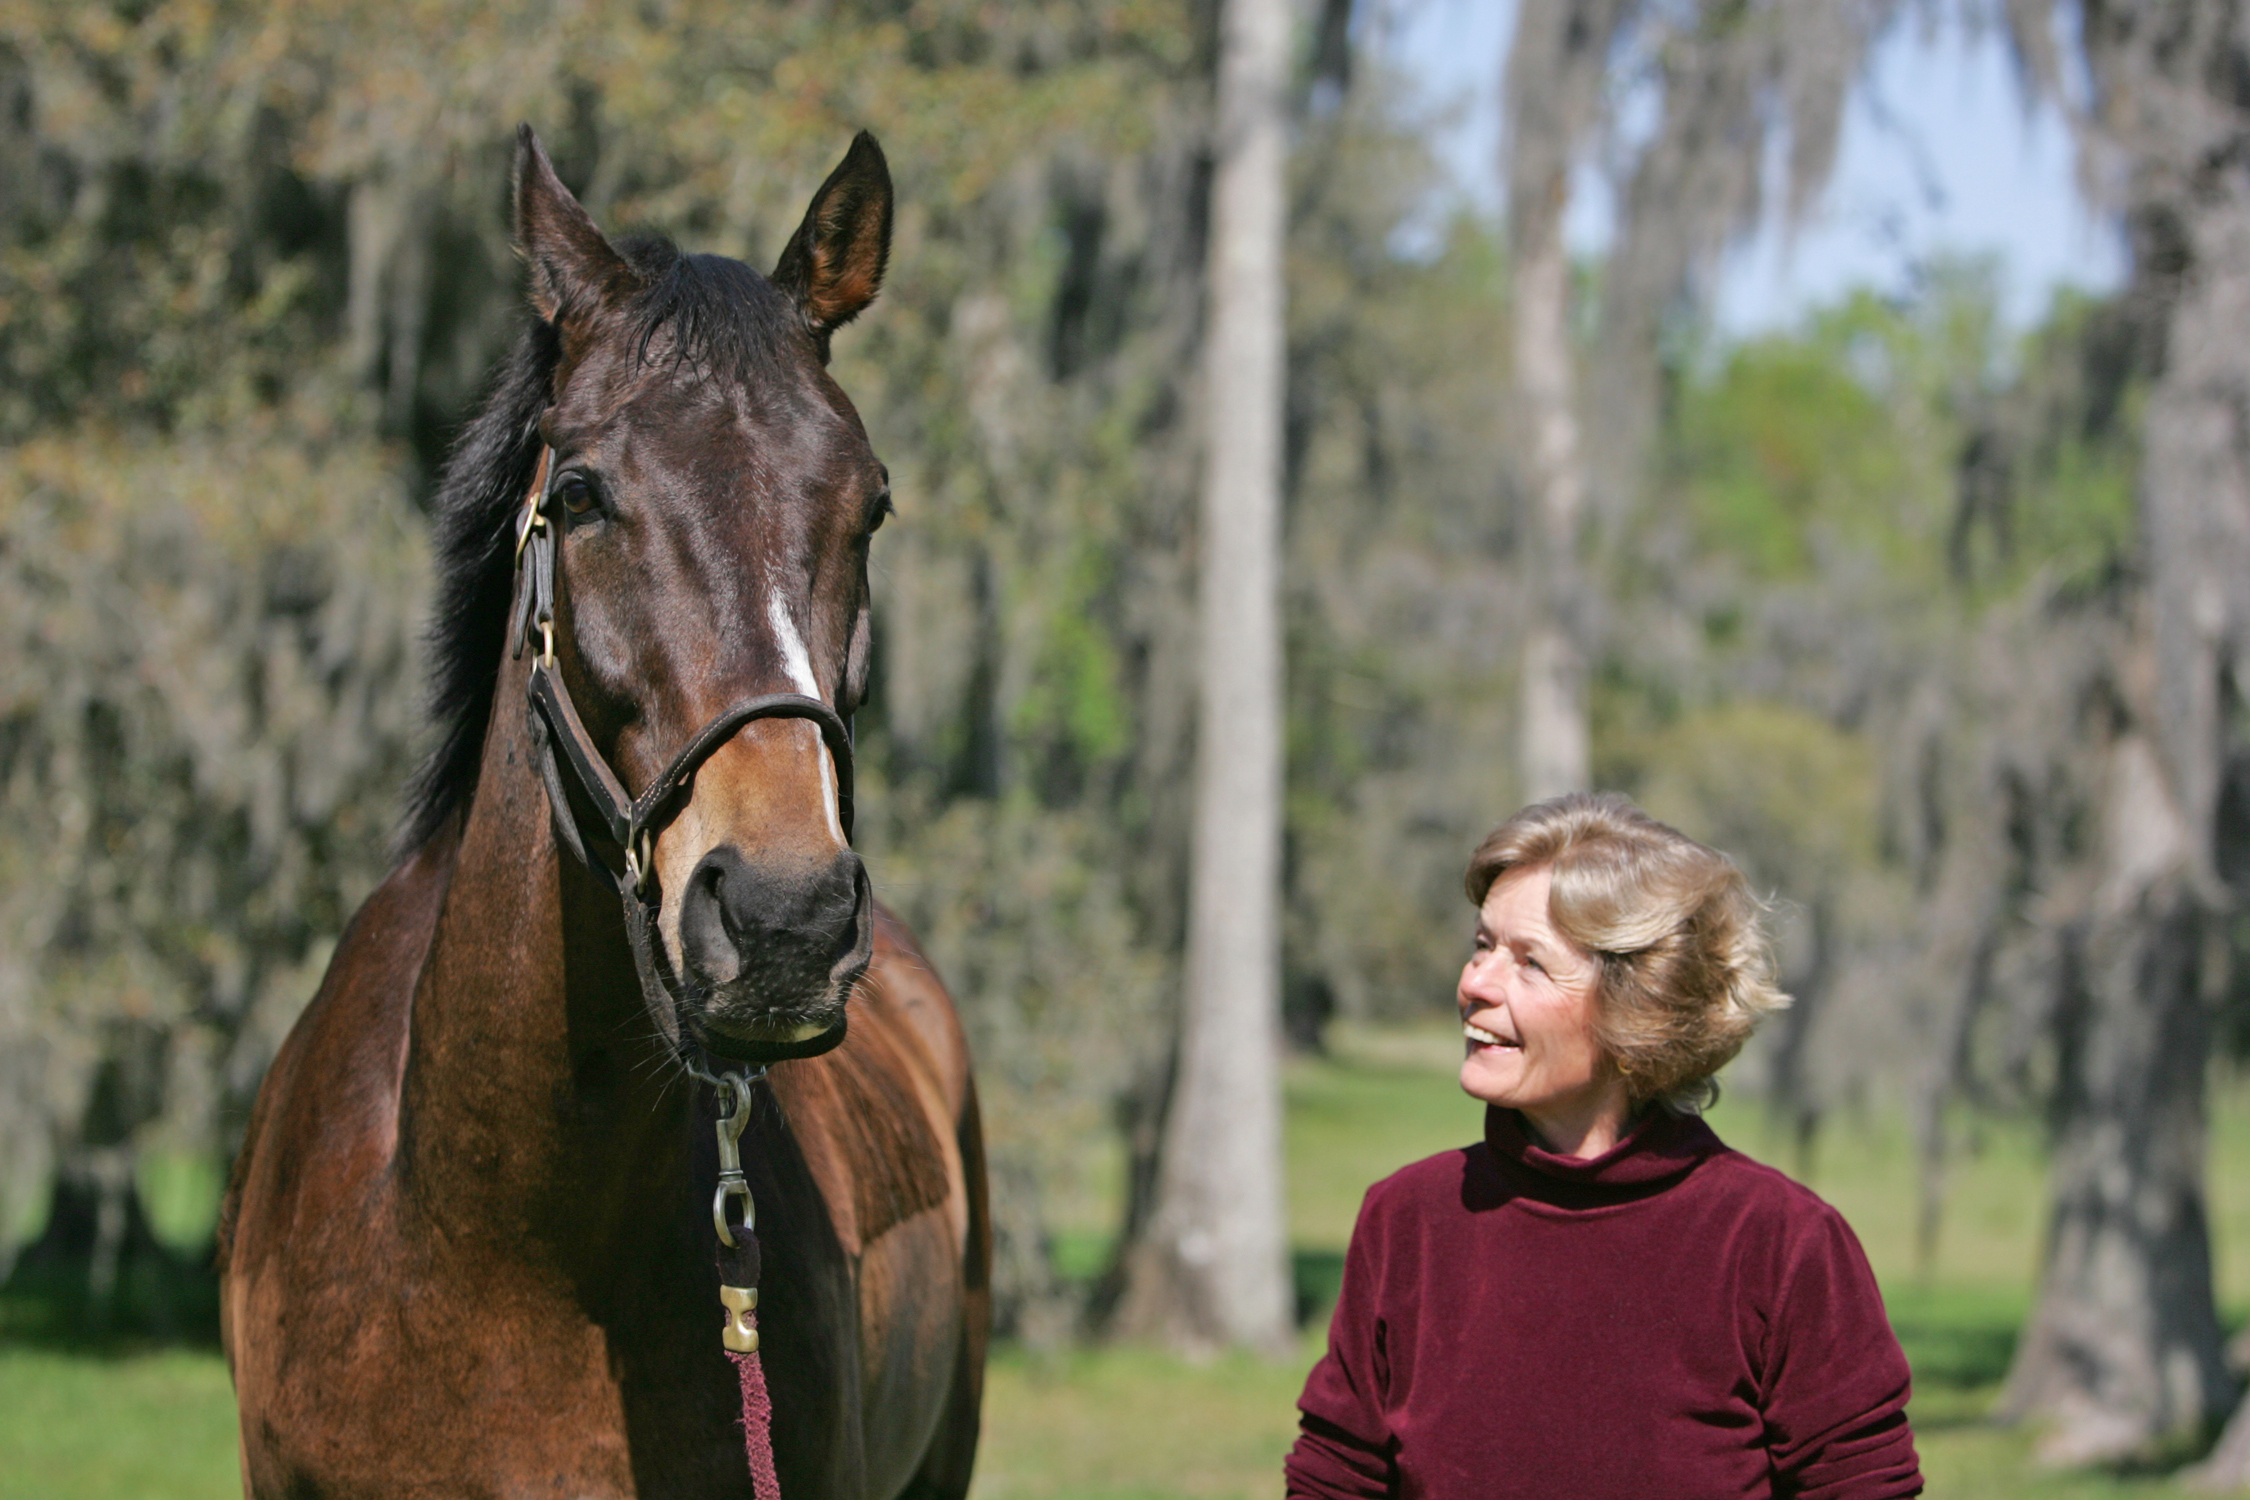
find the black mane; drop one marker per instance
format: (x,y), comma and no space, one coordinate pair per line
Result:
(714,313)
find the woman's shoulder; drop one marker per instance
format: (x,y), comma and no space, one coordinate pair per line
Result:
(1433,1179)
(1767,1198)
(1745,1175)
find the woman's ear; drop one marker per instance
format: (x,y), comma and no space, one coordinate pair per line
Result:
(833,265)
(573,269)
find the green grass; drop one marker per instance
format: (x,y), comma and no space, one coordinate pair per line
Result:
(155,1426)
(79,1423)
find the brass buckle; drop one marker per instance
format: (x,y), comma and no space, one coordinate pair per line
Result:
(534,504)
(640,864)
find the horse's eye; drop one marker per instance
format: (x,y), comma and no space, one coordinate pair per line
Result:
(877,512)
(577,497)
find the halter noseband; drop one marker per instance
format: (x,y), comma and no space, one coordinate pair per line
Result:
(631,823)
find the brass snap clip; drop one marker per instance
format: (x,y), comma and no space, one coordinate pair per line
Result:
(734,1098)
(740,1335)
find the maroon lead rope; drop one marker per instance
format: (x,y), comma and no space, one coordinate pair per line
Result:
(757,1423)
(738,1282)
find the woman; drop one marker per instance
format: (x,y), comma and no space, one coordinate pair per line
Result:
(1601,1299)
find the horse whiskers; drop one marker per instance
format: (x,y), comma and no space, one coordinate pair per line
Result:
(659,1058)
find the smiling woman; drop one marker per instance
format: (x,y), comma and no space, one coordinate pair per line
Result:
(1692,1323)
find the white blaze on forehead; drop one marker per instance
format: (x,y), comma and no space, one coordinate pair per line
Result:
(796,662)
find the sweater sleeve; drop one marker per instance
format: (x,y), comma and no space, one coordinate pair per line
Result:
(1836,1382)
(1344,1449)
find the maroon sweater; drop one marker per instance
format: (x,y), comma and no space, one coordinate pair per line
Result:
(1670,1321)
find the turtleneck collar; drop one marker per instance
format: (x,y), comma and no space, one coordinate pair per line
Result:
(1660,1149)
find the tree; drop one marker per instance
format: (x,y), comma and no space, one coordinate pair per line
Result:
(1729,75)
(1558,72)
(1212,1267)
(2123,1347)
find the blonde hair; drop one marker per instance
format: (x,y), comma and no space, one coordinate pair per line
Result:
(1686,972)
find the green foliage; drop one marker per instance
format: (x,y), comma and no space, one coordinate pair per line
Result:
(1804,450)
(1839,611)
(179,1191)
(1401,608)
(1073,712)
(1792,796)
(1914,435)
(2050,486)
(206,694)
(1785,445)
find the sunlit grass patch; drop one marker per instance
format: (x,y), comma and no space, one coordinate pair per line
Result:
(1124,1424)
(156,1426)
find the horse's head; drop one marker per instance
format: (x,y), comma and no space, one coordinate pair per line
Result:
(712,494)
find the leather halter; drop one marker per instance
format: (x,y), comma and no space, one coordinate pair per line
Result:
(628,822)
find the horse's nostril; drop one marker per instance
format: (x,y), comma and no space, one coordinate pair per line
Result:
(791,924)
(848,901)
(710,948)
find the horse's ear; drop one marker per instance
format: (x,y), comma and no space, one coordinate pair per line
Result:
(834,263)
(573,269)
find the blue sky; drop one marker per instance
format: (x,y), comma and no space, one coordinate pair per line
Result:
(1939,155)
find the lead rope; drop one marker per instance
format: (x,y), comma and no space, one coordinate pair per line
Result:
(738,1281)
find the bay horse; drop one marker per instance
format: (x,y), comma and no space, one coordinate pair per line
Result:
(470,1245)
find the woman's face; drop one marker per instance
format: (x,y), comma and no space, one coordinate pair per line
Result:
(1527,1011)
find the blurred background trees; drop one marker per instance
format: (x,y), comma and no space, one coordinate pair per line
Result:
(1933,621)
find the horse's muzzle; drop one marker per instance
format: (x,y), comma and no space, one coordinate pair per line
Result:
(776,947)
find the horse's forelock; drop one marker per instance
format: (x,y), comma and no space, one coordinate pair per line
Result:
(711,312)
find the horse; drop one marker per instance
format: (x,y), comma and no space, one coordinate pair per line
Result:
(470,1245)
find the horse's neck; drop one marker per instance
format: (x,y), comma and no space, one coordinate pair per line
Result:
(535,1084)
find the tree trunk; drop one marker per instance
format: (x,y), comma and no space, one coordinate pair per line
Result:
(1553,752)
(2123,1348)
(1213,1269)
(1555,69)
(2197,520)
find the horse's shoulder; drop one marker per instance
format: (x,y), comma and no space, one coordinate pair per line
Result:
(881,1117)
(904,989)
(332,1092)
